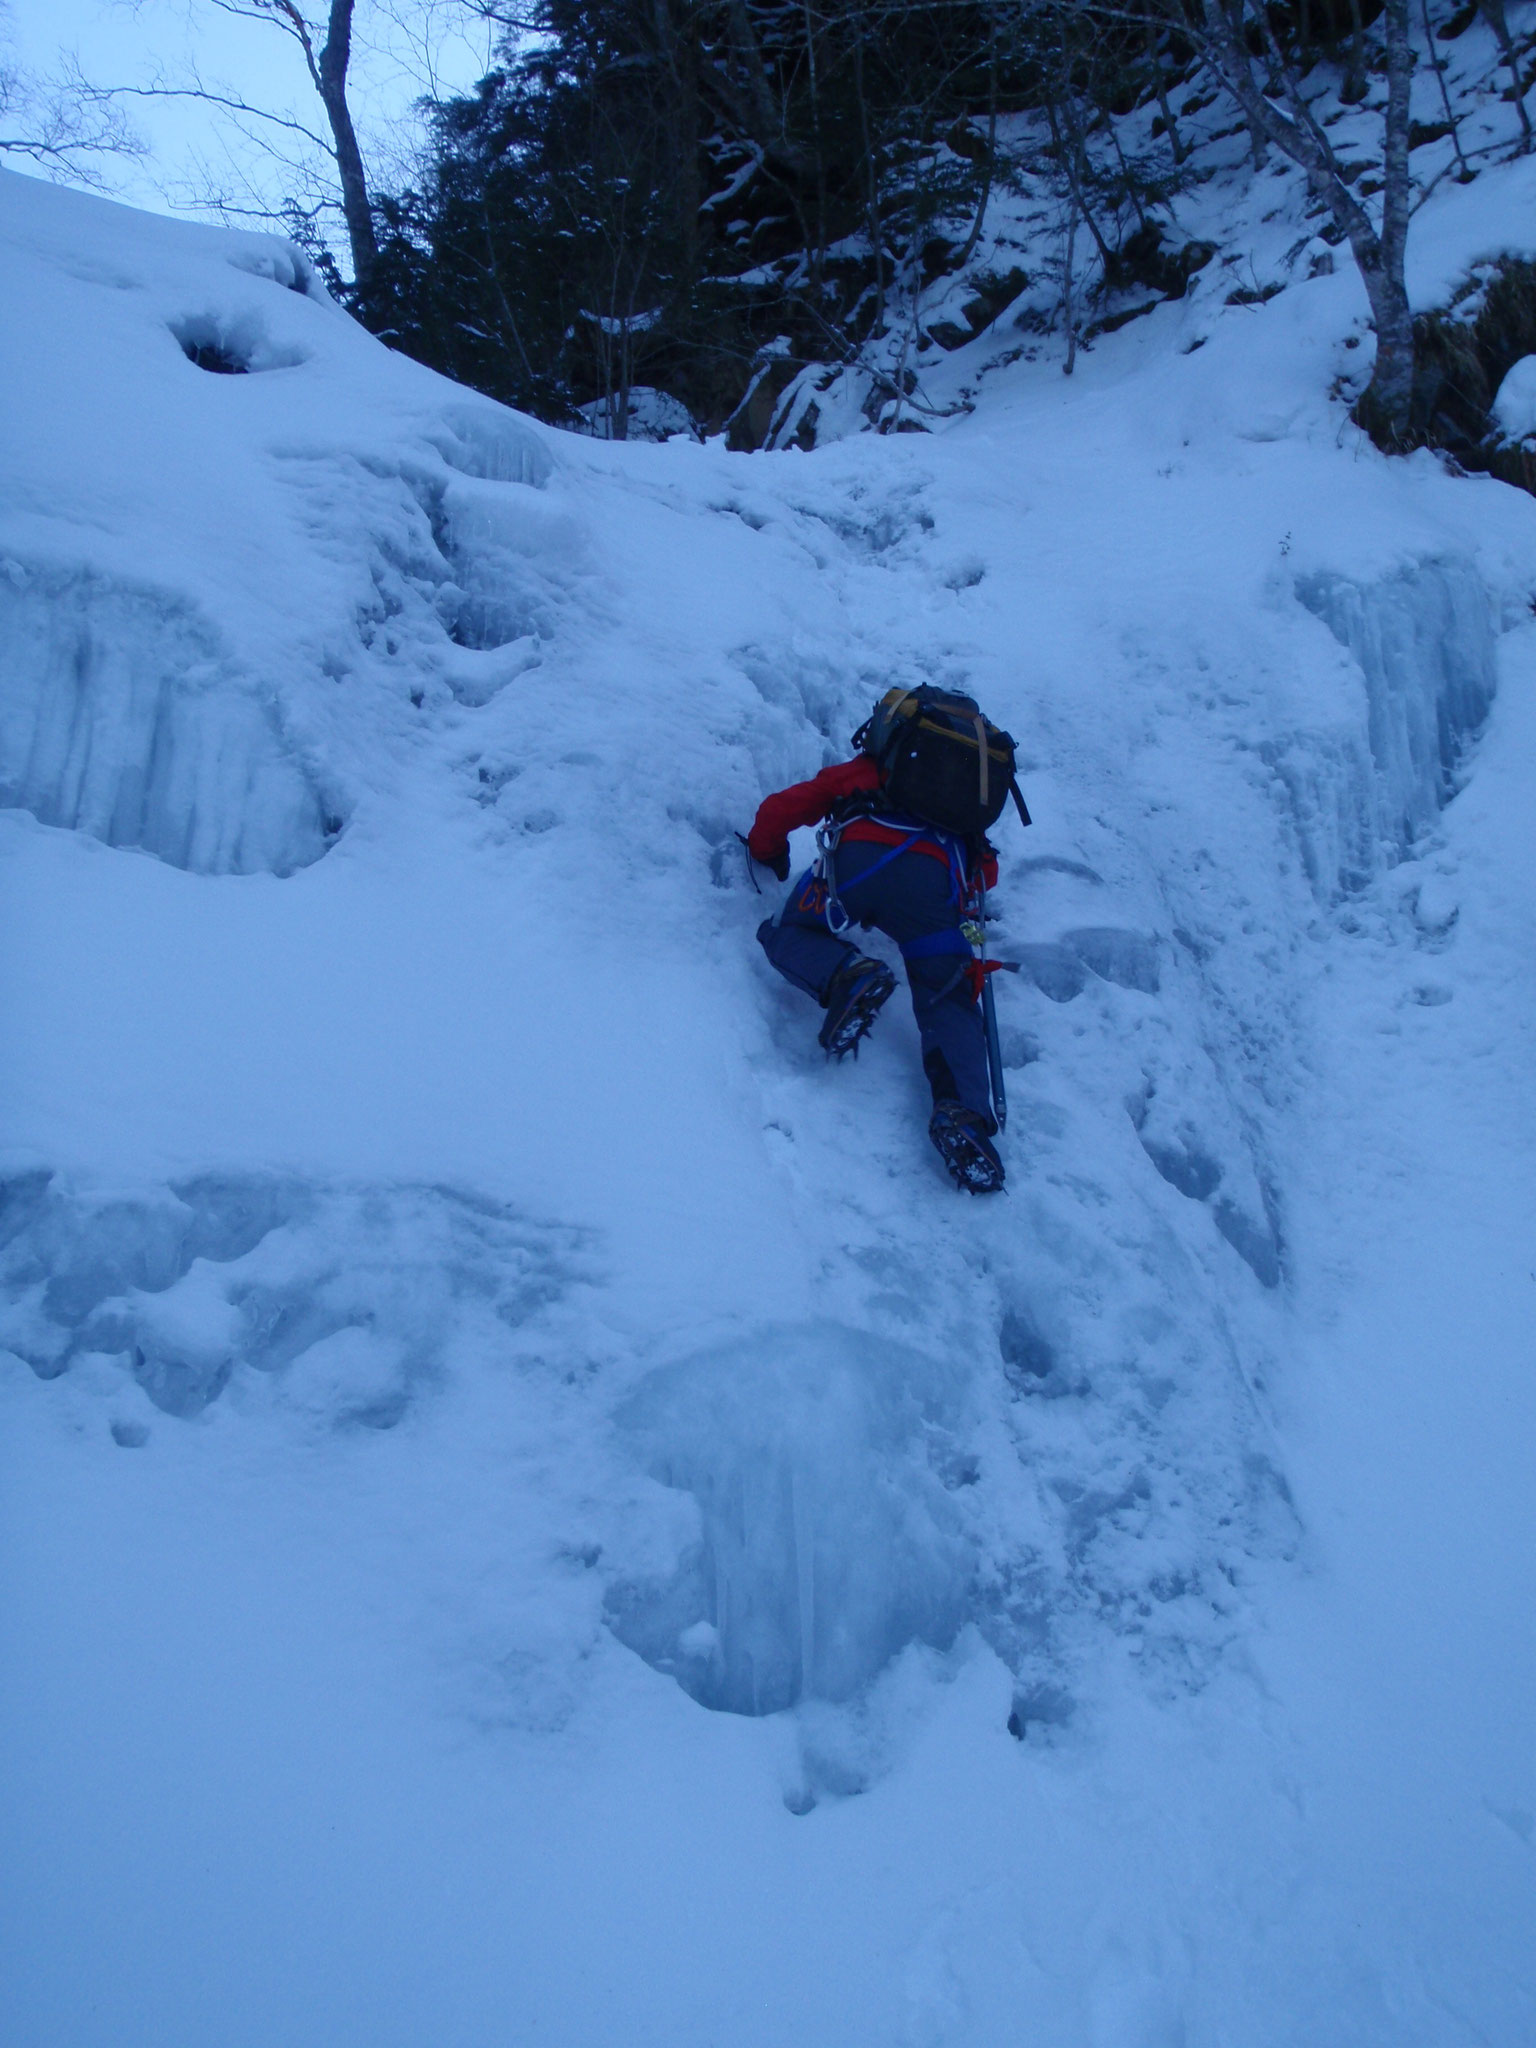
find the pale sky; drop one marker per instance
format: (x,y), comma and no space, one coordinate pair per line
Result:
(194,147)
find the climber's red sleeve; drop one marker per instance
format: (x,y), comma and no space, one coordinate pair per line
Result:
(806,803)
(989,864)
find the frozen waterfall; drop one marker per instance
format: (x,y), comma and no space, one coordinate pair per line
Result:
(121,718)
(1423,641)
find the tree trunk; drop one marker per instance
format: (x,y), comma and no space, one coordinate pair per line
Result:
(764,120)
(679,51)
(819,252)
(331,77)
(1069,149)
(621,408)
(986,179)
(1130,182)
(1170,126)
(1355,88)
(1389,399)
(876,227)
(1386,409)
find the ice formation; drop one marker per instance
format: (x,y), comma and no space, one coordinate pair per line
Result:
(348,1299)
(828,1541)
(124,717)
(1423,640)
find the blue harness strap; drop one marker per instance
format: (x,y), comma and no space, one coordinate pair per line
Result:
(837,918)
(933,945)
(949,845)
(886,858)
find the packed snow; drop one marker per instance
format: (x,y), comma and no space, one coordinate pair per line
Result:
(532,1509)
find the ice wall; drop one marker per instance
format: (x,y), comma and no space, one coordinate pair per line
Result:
(121,717)
(827,1541)
(1423,640)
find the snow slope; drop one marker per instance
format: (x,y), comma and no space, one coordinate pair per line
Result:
(532,1511)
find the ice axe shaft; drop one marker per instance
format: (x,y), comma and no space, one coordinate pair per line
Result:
(994,1056)
(989,1014)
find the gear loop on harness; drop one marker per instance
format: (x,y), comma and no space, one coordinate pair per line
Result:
(825,870)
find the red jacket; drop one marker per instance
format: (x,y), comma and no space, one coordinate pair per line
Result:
(807,803)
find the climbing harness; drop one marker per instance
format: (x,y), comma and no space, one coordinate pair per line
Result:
(969,940)
(827,837)
(825,869)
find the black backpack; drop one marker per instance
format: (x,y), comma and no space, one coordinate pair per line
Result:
(940,759)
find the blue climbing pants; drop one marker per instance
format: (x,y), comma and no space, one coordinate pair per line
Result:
(912,899)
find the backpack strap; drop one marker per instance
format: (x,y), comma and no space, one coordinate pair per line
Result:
(1018,796)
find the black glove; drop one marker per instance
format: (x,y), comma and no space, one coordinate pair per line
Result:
(779,865)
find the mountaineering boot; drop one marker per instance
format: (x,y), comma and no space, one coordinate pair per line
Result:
(964,1143)
(854,997)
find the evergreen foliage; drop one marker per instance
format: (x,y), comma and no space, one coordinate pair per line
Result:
(726,201)
(695,196)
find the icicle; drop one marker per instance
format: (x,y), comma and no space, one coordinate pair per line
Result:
(805,1581)
(1424,642)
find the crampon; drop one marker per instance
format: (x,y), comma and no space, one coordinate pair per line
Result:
(855,997)
(964,1143)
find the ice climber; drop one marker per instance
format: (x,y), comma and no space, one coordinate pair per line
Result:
(903,849)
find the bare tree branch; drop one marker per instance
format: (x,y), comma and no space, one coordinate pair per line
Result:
(230,102)
(60,128)
(326,66)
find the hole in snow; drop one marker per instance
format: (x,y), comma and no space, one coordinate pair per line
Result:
(232,346)
(1185,1166)
(505,559)
(1129,959)
(1027,1357)
(1255,1242)
(1046,1708)
(1054,970)
(207,355)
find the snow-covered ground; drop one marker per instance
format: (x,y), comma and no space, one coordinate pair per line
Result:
(532,1512)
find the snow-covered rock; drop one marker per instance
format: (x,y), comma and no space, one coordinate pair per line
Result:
(1514,406)
(651,415)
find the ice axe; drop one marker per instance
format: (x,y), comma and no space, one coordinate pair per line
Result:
(975,929)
